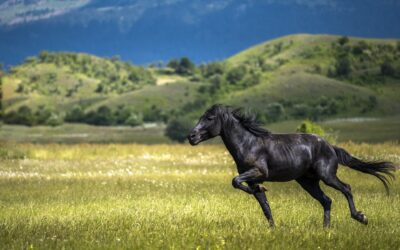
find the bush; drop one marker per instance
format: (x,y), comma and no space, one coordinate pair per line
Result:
(309,127)
(387,69)
(343,40)
(103,116)
(23,116)
(182,66)
(235,75)
(42,115)
(211,69)
(343,66)
(54,120)
(75,115)
(178,129)
(274,112)
(134,120)
(154,114)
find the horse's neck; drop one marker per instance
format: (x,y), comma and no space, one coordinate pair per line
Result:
(234,138)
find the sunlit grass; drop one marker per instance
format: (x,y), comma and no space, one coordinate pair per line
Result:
(164,196)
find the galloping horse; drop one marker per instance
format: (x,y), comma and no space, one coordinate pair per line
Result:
(263,156)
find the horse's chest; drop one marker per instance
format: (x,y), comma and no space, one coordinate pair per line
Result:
(247,162)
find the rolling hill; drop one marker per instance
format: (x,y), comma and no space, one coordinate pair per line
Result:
(297,76)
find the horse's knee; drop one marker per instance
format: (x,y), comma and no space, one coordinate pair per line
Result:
(235,182)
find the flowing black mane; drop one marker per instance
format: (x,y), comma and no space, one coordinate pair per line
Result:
(245,118)
(250,123)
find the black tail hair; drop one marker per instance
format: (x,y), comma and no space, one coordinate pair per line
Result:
(382,170)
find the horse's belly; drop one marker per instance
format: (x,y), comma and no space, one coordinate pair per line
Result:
(287,172)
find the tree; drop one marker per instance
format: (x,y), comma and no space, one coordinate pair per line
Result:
(134,119)
(178,129)
(75,115)
(54,120)
(275,111)
(186,67)
(103,116)
(387,69)
(23,116)
(42,114)
(343,40)
(343,66)
(235,75)
(211,69)
(182,66)
(173,64)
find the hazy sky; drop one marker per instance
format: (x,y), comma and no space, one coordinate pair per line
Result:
(144,31)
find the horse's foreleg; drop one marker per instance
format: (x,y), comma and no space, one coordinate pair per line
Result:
(259,194)
(248,176)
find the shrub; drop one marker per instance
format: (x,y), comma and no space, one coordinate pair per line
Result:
(182,66)
(178,128)
(23,116)
(103,116)
(387,69)
(343,66)
(211,69)
(311,128)
(134,120)
(75,115)
(343,40)
(154,114)
(42,115)
(274,112)
(54,120)
(235,75)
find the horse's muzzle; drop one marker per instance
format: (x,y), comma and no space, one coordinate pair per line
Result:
(194,138)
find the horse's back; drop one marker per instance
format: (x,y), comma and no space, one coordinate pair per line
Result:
(291,156)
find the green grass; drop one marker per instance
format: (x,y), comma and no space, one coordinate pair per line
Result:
(160,196)
(82,133)
(372,130)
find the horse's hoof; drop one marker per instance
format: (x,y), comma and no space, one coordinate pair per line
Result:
(361,218)
(364,219)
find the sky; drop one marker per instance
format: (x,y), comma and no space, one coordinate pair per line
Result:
(148,31)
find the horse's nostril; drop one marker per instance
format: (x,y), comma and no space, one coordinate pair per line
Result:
(192,136)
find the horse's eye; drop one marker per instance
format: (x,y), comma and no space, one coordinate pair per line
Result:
(210,118)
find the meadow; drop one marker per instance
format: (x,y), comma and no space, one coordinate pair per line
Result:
(132,196)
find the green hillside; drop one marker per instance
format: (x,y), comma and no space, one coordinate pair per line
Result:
(293,77)
(321,76)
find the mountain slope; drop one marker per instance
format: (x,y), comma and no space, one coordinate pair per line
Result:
(312,70)
(298,76)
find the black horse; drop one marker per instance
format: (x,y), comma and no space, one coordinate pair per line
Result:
(263,156)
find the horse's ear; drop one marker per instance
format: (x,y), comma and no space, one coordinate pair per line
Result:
(237,113)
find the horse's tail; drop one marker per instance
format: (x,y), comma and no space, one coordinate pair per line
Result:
(382,170)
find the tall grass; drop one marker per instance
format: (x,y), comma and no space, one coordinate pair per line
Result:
(162,196)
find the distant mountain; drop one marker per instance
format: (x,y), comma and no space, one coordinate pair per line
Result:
(145,31)
(293,77)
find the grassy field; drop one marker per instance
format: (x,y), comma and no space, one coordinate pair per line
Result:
(179,197)
(372,130)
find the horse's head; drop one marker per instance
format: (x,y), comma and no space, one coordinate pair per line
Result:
(209,125)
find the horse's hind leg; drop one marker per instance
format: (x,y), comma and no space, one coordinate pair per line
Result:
(334,182)
(313,188)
